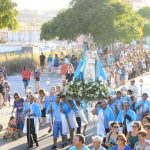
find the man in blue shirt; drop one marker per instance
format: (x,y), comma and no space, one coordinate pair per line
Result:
(56,108)
(48,102)
(142,107)
(118,103)
(107,112)
(32,113)
(125,117)
(78,143)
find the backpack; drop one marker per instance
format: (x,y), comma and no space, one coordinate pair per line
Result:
(1,88)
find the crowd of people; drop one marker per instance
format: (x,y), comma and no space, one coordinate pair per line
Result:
(127,66)
(123,120)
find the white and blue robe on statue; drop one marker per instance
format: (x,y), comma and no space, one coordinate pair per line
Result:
(90,68)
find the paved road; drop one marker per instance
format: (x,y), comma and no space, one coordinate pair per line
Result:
(16,84)
(44,138)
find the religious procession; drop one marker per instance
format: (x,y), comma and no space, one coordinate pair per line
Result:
(88,90)
(75,74)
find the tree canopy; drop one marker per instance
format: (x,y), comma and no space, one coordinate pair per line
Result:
(145,13)
(106,20)
(8,14)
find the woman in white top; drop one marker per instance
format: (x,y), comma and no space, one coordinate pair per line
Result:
(147,129)
(142,144)
(41,102)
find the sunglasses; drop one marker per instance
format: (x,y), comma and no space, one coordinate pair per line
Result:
(120,139)
(134,126)
(115,127)
(16,96)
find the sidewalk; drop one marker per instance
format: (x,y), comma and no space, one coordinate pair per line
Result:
(146,84)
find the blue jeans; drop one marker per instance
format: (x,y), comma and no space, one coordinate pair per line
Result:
(26,82)
(56,128)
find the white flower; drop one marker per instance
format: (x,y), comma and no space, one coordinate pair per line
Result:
(86,82)
(103,94)
(97,93)
(94,84)
(95,96)
(71,83)
(78,83)
(81,89)
(80,92)
(100,78)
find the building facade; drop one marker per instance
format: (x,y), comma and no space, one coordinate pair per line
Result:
(22,36)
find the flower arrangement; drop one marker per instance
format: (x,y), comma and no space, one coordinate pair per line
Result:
(88,90)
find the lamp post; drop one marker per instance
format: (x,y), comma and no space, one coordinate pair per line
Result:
(48,83)
(29,89)
(141,85)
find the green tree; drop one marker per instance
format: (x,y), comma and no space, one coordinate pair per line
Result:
(8,14)
(145,13)
(107,21)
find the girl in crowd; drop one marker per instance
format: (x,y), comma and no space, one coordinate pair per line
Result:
(56,61)
(142,144)
(112,136)
(26,74)
(49,60)
(18,104)
(132,136)
(6,93)
(41,102)
(121,143)
(36,75)
(146,120)
(147,129)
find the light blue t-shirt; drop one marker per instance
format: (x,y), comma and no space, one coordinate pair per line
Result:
(56,111)
(83,148)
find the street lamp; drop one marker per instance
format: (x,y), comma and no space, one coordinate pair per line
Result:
(141,84)
(48,82)
(29,89)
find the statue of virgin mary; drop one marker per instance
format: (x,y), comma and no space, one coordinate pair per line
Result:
(90,67)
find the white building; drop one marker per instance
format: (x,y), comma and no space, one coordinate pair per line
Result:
(22,36)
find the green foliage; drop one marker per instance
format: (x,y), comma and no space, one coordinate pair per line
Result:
(146,31)
(107,20)
(145,13)
(8,14)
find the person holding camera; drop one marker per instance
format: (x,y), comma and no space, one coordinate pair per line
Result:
(112,135)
